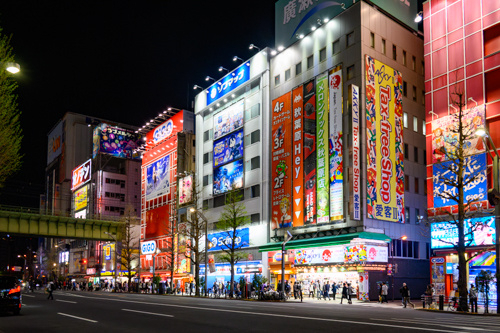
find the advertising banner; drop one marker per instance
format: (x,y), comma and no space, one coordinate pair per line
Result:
(310,151)
(321,255)
(228,177)
(438,274)
(222,240)
(478,231)
(336,145)
(384,142)
(477,190)
(55,143)
(181,121)
(229,119)
(298,158)
(228,83)
(229,148)
(445,136)
(107,251)
(185,190)
(81,198)
(117,142)
(81,175)
(281,169)
(158,178)
(211,263)
(356,154)
(323,160)
(365,253)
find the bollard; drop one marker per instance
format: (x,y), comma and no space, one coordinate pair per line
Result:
(441,302)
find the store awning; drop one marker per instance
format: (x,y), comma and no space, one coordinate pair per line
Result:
(325,241)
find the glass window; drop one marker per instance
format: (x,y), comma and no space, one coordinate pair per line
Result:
(406,150)
(287,74)
(416,185)
(322,54)
(277,80)
(407,214)
(404,58)
(255,218)
(336,47)
(298,68)
(405,120)
(394,52)
(206,136)
(407,183)
(383,46)
(205,180)
(219,201)
(255,191)
(423,97)
(417,216)
(416,250)
(350,39)
(205,158)
(405,89)
(425,159)
(310,61)
(255,111)
(372,39)
(415,124)
(255,163)
(255,136)
(350,72)
(415,154)
(413,63)
(414,93)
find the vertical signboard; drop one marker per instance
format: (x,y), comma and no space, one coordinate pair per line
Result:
(309,97)
(336,145)
(356,162)
(282,161)
(298,158)
(384,139)
(322,185)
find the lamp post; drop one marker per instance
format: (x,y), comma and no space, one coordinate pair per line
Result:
(283,253)
(200,214)
(157,252)
(483,133)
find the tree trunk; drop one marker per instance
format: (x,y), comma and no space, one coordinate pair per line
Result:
(231,293)
(197,278)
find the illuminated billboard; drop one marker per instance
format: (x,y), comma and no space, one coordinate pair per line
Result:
(478,232)
(474,167)
(116,141)
(281,170)
(81,175)
(356,152)
(229,119)
(54,146)
(384,140)
(185,190)
(81,198)
(229,148)
(336,145)
(298,158)
(158,178)
(323,160)
(228,177)
(310,152)
(228,83)
(445,135)
(222,240)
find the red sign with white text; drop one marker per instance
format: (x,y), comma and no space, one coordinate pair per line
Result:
(298,158)
(81,175)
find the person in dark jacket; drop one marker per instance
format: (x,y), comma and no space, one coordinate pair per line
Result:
(326,290)
(344,293)
(405,294)
(334,290)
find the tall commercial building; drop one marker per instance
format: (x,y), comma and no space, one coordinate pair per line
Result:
(347,146)
(462,57)
(232,149)
(92,172)
(168,159)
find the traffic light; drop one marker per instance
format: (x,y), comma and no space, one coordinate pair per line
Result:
(493,197)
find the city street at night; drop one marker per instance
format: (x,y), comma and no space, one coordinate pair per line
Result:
(87,312)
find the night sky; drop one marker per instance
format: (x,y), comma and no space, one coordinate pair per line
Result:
(124,61)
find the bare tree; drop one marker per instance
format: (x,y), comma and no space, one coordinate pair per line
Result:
(10,128)
(129,254)
(458,172)
(233,218)
(194,231)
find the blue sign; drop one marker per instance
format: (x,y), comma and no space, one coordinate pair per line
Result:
(228,83)
(222,240)
(228,149)
(228,177)
(475,169)
(478,232)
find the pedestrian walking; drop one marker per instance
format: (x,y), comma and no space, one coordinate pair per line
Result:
(326,290)
(473,298)
(50,290)
(405,294)
(313,289)
(319,290)
(334,290)
(385,290)
(344,293)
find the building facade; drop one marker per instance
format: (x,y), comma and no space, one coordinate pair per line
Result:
(462,60)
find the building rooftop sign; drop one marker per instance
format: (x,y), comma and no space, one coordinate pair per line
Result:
(228,83)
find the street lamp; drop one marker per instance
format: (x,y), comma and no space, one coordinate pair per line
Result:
(483,133)
(157,252)
(200,214)
(11,67)
(283,252)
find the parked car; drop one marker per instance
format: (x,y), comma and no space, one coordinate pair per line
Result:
(10,294)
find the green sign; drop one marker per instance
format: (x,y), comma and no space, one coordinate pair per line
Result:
(322,154)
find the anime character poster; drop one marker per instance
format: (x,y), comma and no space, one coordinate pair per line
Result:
(384,142)
(445,138)
(228,120)
(158,178)
(228,177)
(185,190)
(309,96)
(336,145)
(281,166)
(117,142)
(323,159)
(298,158)
(228,148)
(437,275)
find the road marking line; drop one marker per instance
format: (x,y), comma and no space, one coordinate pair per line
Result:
(68,315)
(278,315)
(471,320)
(60,300)
(151,313)
(24,295)
(426,322)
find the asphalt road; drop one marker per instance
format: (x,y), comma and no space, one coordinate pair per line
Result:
(105,312)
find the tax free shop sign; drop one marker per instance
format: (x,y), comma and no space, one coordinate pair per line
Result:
(229,83)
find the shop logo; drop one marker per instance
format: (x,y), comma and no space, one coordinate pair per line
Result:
(335,81)
(372,253)
(437,260)
(327,255)
(163,131)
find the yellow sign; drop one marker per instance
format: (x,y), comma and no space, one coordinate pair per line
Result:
(81,198)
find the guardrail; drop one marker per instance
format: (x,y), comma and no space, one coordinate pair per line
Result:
(38,211)
(452,303)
